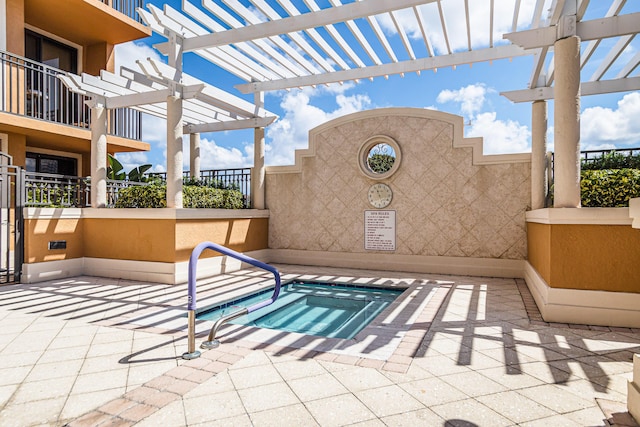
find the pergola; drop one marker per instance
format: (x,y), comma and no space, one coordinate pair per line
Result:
(284,44)
(189,105)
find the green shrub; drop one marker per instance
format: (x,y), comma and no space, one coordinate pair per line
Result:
(609,188)
(154,196)
(381,163)
(142,196)
(212,198)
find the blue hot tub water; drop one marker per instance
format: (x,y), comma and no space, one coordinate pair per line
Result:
(329,310)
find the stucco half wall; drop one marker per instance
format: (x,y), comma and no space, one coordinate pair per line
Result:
(137,244)
(457,210)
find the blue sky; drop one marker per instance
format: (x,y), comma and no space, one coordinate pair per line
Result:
(607,121)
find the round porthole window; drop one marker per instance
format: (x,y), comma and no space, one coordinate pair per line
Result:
(379,157)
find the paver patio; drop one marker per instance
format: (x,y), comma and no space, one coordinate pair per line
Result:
(91,351)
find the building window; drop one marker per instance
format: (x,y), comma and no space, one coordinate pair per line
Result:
(50,52)
(45,163)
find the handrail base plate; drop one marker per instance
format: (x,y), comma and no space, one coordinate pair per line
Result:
(210,344)
(191,356)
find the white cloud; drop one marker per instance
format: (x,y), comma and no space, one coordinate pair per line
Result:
(471,98)
(606,127)
(213,156)
(128,53)
(132,160)
(291,132)
(500,136)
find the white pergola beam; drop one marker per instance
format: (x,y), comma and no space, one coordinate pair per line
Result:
(288,67)
(425,37)
(466,57)
(613,26)
(258,122)
(631,65)
(252,19)
(209,94)
(355,31)
(611,57)
(234,60)
(320,18)
(246,53)
(555,12)
(403,36)
(296,37)
(335,34)
(316,37)
(443,24)
(136,99)
(203,104)
(586,88)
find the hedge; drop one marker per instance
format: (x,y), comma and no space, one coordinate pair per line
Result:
(609,187)
(155,195)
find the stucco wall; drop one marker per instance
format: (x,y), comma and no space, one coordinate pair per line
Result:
(449,199)
(115,234)
(586,256)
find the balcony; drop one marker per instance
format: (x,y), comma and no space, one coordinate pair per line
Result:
(88,22)
(126,7)
(32,90)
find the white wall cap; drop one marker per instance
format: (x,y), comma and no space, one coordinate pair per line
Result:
(52,213)
(590,216)
(151,213)
(459,141)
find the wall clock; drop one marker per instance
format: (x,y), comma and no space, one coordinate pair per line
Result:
(380,195)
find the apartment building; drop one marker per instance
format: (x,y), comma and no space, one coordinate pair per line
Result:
(43,126)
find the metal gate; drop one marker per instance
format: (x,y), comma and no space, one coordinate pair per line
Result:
(11,220)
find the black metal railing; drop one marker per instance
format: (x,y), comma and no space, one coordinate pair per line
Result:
(32,89)
(126,7)
(589,156)
(238,179)
(51,190)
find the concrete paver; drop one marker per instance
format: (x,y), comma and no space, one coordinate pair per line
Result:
(85,351)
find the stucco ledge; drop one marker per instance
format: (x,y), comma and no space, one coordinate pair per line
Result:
(590,216)
(133,213)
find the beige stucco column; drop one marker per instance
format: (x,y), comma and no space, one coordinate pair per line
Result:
(538,154)
(174,152)
(257,173)
(98,155)
(194,155)
(566,121)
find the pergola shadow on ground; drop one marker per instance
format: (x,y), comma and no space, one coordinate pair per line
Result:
(464,317)
(479,355)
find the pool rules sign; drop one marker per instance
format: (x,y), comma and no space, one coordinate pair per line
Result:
(380,230)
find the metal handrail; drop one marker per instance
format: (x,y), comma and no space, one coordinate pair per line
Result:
(211,342)
(126,7)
